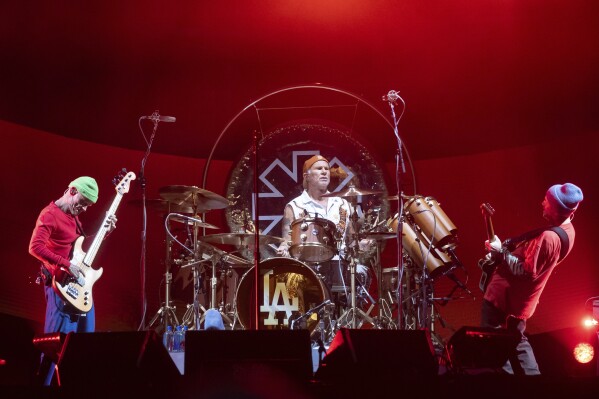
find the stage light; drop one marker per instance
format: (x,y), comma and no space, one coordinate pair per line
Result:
(590,322)
(583,352)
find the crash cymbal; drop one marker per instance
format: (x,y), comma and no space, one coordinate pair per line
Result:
(195,221)
(162,205)
(240,239)
(352,191)
(195,197)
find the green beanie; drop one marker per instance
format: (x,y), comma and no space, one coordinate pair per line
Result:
(87,186)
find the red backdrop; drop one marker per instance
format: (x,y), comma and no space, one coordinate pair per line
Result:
(37,166)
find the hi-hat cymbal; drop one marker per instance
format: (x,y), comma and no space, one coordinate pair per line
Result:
(195,197)
(162,206)
(193,222)
(352,191)
(240,239)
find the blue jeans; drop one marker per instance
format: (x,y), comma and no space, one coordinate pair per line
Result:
(522,361)
(59,318)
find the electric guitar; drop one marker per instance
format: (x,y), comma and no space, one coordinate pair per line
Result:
(487,265)
(78,291)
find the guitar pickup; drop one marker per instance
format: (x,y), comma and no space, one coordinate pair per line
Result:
(72,291)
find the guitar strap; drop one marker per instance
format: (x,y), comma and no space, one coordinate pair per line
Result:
(515,242)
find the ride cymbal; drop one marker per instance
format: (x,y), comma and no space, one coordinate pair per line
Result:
(197,198)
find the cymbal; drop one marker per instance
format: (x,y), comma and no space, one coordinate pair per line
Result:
(195,197)
(379,235)
(162,206)
(240,239)
(196,222)
(352,191)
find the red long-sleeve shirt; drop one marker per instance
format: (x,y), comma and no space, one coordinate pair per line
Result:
(53,237)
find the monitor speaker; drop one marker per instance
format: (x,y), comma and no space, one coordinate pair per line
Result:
(480,348)
(221,362)
(108,360)
(378,354)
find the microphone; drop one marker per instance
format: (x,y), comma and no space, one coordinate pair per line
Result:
(391,97)
(156,117)
(459,283)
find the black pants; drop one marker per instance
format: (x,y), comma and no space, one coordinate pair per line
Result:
(522,361)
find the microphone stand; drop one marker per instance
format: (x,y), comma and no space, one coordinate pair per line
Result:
(392,98)
(142,182)
(256,236)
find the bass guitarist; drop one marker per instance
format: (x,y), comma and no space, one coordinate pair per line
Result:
(55,232)
(523,269)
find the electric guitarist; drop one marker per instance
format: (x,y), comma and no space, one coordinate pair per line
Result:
(515,286)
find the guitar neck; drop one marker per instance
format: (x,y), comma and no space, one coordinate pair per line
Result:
(489,225)
(99,237)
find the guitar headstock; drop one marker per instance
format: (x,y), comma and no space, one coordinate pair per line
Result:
(487,209)
(122,181)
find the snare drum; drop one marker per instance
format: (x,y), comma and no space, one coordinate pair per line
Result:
(433,221)
(312,240)
(286,286)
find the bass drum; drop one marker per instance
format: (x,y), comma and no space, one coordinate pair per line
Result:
(287,288)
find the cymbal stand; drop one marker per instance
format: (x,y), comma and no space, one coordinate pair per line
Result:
(382,319)
(354,312)
(213,289)
(166,313)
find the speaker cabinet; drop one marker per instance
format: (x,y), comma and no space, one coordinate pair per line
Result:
(247,360)
(378,354)
(479,348)
(108,360)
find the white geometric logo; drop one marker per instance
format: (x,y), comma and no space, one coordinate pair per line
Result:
(294,173)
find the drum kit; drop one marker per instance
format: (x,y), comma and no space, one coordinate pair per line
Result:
(294,291)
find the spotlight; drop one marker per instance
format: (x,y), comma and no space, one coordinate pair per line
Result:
(583,352)
(589,322)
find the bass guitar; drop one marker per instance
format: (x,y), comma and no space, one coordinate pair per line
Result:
(488,264)
(78,291)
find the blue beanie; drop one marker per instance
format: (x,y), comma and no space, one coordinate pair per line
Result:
(564,197)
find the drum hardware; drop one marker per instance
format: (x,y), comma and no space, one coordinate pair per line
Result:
(166,313)
(193,221)
(239,239)
(244,242)
(384,317)
(354,316)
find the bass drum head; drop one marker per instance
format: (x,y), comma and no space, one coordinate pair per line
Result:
(287,288)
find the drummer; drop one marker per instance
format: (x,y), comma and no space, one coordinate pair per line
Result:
(311,203)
